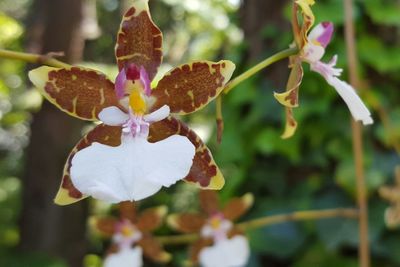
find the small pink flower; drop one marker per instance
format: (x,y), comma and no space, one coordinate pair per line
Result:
(313,51)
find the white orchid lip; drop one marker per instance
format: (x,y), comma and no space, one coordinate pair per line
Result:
(132,257)
(234,252)
(136,169)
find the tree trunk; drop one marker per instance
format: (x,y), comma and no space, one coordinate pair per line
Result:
(45,227)
(256,16)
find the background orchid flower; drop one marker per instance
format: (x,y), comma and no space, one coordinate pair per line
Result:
(220,243)
(318,40)
(392,195)
(131,257)
(131,236)
(312,46)
(137,133)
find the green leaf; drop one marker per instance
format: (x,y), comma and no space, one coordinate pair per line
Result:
(318,256)
(380,56)
(384,11)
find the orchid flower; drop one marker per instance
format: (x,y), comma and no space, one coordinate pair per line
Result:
(138,147)
(131,257)
(312,45)
(392,195)
(131,236)
(220,243)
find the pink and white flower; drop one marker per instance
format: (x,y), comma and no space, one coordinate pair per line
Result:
(234,252)
(312,53)
(125,238)
(225,252)
(132,257)
(137,168)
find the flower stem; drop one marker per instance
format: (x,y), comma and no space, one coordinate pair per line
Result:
(299,216)
(263,64)
(33,58)
(269,220)
(220,119)
(364,252)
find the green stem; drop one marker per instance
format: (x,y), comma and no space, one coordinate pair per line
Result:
(298,216)
(220,119)
(33,58)
(263,64)
(269,220)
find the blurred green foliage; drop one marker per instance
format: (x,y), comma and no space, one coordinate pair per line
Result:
(314,169)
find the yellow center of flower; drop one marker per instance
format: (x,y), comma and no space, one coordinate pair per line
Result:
(215,223)
(137,101)
(315,42)
(127,231)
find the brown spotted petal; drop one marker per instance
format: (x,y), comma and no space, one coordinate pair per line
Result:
(107,135)
(290,124)
(139,40)
(308,19)
(289,99)
(209,201)
(151,219)
(234,232)
(187,222)
(392,216)
(153,250)
(204,171)
(113,248)
(192,86)
(236,207)
(127,210)
(106,226)
(80,92)
(391,194)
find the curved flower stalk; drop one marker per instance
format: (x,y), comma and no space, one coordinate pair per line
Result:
(221,243)
(392,195)
(131,236)
(138,147)
(312,46)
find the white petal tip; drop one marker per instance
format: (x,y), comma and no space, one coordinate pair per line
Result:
(367,121)
(113,116)
(158,115)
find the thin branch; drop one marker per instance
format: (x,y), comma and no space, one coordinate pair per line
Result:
(260,66)
(33,58)
(364,253)
(299,216)
(269,220)
(220,119)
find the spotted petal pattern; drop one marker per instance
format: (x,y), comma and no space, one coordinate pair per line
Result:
(139,40)
(290,98)
(152,218)
(80,92)
(187,223)
(153,249)
(190,87)
(236,207)
(308,19)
